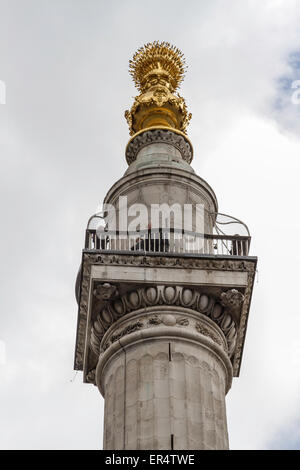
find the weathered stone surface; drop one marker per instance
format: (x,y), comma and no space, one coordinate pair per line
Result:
(203,277)
(162,335)
(163,387)
(151,139)
(164,182)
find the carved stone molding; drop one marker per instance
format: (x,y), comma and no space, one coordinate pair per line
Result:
(203,336)
(105,291)
(232,299)
(82,317)
(168,320)
(129,329)
(171,317)
(170,261)
(243,325)
(148,137)
(162,296)
(206,332)
(91,376)
(85,358)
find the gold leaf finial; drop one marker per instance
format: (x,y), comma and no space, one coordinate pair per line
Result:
(157,69)
(157,58)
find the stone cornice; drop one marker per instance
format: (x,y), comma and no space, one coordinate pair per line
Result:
(150,136)
(162,296)
(208,263)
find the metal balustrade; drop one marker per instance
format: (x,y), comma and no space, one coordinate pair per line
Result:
(167,241)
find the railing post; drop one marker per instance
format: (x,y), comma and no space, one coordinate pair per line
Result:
(160,240)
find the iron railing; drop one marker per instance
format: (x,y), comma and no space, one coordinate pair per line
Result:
(167,241)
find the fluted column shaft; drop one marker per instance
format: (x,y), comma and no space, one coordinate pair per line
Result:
(164,388)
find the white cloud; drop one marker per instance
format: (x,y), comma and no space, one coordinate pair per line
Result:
(264,172)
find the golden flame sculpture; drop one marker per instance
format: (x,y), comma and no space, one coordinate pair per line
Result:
(157,69)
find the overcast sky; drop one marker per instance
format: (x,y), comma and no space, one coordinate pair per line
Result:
(62,142)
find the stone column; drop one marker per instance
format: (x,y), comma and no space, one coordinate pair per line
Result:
(160,173)
(164,374)
(161,330)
